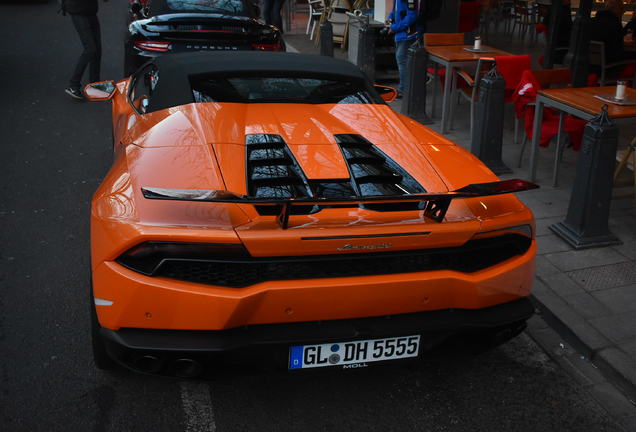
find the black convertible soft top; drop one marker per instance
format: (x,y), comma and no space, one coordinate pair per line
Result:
(175,70)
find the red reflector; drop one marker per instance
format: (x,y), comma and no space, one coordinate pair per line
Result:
(267,47)
(152,46)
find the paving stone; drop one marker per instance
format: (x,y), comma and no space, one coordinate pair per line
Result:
(629,347)
(551,243)
(578,259)
(543,224)
(623,370)
(619,300)
(543,208)
(605,277)
(624,227)
(624,203)
(587,306)
(617,328)
(545,267)
(562,284)
(628,249)
(558,312)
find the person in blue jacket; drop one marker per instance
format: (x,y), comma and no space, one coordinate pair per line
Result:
(401,22)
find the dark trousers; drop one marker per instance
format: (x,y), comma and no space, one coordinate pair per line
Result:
(271,12)
(89,32)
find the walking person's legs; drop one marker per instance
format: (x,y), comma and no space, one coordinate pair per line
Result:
(268,6)
(96,60)
(277,10)
(401,51)
(91,42)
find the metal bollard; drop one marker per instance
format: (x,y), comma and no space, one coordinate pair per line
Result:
(366,50)
(326,39)
(414,103)
(487,135)
(586,224)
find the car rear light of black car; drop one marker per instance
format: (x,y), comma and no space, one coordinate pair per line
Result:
(267,47)
(147,257)
(156,46)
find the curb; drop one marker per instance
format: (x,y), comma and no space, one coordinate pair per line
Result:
(612,362)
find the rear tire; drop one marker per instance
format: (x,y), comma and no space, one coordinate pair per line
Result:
(101,358)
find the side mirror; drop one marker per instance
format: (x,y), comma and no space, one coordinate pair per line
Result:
(388,94)
(99,91)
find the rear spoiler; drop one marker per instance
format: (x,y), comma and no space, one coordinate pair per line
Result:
(435,204)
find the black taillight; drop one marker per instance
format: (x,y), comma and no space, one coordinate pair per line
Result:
(148,256)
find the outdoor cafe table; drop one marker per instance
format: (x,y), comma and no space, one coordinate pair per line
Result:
(580,102)
(453,57)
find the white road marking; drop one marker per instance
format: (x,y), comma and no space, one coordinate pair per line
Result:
(197,407)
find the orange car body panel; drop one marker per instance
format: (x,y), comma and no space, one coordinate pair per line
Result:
(202,146)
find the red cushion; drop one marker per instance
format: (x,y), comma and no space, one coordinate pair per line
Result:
(511,68)
(441,72)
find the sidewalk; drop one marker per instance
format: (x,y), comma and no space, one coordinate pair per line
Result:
(588,295)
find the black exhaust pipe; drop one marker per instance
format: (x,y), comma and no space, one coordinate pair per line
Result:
(148,363)
(187,368)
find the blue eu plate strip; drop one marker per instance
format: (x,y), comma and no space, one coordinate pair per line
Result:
(296,357)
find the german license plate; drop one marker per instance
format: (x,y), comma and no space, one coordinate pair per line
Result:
(353,354)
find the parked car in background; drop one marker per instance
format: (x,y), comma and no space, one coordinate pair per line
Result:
(272,208)
(161,27)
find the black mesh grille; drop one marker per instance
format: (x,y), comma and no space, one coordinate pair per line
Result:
(473,256)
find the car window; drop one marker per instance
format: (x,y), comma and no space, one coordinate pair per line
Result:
(144,84)
(215,6)
(278,89)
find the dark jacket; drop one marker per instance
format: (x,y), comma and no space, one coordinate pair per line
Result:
(80,7)
(607,27)
(565,26)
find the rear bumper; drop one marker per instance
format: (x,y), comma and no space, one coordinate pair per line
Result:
(268,344)
(139,301)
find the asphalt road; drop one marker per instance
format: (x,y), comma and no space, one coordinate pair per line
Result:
(53,153)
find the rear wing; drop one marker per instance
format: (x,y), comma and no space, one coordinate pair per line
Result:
(435,205)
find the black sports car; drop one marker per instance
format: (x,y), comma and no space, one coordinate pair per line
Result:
(170,26)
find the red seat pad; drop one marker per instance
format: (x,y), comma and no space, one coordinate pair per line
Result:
(525,93)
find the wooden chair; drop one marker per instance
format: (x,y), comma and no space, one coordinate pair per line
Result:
(440,39)
(551,78)
(525,18)
(624,161)
(470,91)
(316,8)
(609,72)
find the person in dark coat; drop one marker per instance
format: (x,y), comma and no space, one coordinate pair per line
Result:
(607,27)
(84,17)
(565,29)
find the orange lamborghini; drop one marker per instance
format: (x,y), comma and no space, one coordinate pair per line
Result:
(271,208)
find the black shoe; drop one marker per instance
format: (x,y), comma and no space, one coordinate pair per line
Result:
(75,93)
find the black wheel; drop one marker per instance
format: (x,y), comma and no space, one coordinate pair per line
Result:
(100,356)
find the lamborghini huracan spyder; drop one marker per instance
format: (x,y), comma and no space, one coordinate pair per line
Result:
(272,208)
